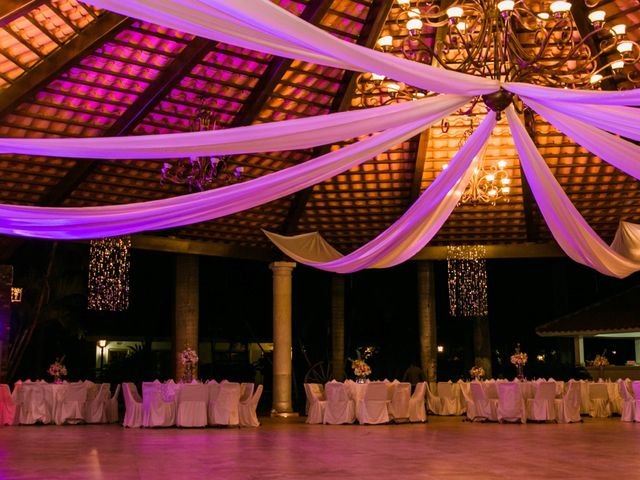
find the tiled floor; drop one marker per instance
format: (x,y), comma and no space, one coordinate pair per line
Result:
(445,448)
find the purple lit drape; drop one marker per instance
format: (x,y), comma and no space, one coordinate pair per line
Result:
(411,232)
(568,227)
(112,220)
(629,98)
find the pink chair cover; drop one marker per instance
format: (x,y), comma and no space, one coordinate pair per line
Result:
(511,406)
(339,407)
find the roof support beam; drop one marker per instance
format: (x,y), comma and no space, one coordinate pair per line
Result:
(11,10)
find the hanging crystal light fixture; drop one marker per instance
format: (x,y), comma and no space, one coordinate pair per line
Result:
(109,265)
(467,279)
(201,173)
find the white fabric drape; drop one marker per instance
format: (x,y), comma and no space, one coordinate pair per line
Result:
(264,137)
(595,97)
(568,227)
(111,220)
(627,240)
(411,232)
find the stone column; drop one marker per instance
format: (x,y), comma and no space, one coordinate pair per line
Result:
(186,309)
(427,319)
(6,282)
(482,343)
(578,350)
(337,326)
(282,405)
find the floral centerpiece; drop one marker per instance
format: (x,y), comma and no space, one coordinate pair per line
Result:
(519,359)
(476,372)
(361,368)
(600,361)
(57,370)
(188,358)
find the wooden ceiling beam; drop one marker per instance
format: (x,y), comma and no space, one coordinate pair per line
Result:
(11,10)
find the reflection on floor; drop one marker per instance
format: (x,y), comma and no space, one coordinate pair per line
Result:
(445,448)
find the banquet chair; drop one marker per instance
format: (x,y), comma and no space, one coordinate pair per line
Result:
(246,391)
(635,385)
(470,406)
(132,406)
(340,408)
(511,406)
(97,404)
(72,407)
(449,394)
(315,412)
(32,404)
(615,398)
(247,409)
(374,407)
(7,406)
(542,407)
(192,402)
(417,406)
(226,406)
(434,405)
(156,411)
(585,404)
(599,401)
(213,388)
(399,405)
(568,407)
(112,406)
(628,402)
(485,408)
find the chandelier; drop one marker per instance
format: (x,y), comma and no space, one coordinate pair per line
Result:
(467,279)
(109,265)
(205,172)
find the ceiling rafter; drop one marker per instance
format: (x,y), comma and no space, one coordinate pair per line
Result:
(11,10)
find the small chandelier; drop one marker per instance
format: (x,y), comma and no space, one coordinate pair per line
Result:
(467,279)
(109,274)
(16,294)
(201,173)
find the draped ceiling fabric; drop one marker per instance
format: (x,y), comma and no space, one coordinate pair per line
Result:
(263,26)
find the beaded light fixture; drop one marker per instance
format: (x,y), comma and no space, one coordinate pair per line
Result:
(467,274)
(109,274)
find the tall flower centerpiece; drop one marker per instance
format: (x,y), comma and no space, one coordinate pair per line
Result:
(519,359)
(477,372)
(188,358)
(361,368)
(600,361)
(57,370)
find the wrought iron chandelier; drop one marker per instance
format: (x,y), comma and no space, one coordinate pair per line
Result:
(201,173)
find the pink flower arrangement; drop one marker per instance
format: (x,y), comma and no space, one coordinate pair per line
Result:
(476,372)
(57,369)
(519,358)
(600,361)
(188,356)
(360,368)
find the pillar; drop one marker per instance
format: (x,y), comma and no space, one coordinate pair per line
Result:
(282,404)
(578,350)
(482,344)
(427,319)
(637,350)
(186,308)
(6,282)
(337,326)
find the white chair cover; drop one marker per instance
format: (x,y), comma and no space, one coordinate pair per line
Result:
(132,406)
(542,407)
(449,394)
(470,406)
(317,404)
(636,393)
(97,403)
(374,407)
(246,391)
(511,407)
(192,405)
(434,405)
(615,398)
(485,408)
(417,407)
(156,411)
(247,409)
(399,407)
(628,410)
(599,401)
(569,406)
(225,408)
(32,404)
(71,408)
(585,404)
(339,408)
(214,390)
(112,407)
(7,406)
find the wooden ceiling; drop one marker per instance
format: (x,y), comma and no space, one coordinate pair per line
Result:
(70,70)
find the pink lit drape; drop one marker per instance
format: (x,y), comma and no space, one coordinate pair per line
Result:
(105,221)
(568,227)
(411,232)
(263,137)
(595,97)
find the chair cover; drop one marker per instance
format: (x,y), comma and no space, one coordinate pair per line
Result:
(485,408)
(400,399)
(225,408)
(72,407)
(156,411)
(585,404)
(315,412)
(246,391)
(339,407)
(449,394)
(542,407)
(214,390)
(627,413)
(636,393)
(470,406)
(132,406)
(32,404)
(97,403)
(599,401)
(569,406)
(112,407)
(192,405)
(417,407)
(434,405)
(615,397)
(374,407)
(511,407)
(247,409)
(7,406)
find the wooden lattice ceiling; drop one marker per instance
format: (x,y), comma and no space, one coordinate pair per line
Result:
(70,70)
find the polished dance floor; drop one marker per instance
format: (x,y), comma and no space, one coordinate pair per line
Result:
(445,448)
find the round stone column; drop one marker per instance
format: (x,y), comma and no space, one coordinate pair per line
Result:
(186,309)
(427,320)
(282,405)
